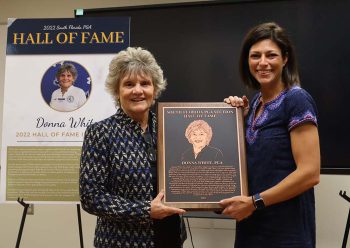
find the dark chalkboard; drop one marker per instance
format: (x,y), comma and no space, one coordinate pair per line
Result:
(198,44)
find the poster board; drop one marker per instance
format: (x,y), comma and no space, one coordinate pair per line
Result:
(41,144)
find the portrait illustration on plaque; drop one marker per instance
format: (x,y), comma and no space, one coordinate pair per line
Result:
(199,134)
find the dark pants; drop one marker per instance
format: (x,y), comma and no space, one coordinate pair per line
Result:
(168,232)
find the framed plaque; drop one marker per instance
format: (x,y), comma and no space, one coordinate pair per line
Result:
(201,154)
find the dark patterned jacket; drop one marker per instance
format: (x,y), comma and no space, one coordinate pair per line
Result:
(115,181)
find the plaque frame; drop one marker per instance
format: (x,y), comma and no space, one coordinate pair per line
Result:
(165,112)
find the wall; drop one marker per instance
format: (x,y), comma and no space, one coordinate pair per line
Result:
(56,225)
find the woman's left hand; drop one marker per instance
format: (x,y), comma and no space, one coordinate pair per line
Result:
(238,207)
(160,211)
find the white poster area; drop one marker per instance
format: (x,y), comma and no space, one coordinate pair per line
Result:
(28,121)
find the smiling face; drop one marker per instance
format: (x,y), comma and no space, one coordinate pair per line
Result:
(136,95)
(266,63)
(66,80)
(199,138)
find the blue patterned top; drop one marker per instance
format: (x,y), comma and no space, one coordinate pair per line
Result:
(269,161)
(116,182)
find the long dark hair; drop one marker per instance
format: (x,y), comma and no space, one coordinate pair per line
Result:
(272,31)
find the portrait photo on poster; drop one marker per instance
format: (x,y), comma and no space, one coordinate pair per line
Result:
(66,86)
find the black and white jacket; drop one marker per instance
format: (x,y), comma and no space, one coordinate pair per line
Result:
(115,181)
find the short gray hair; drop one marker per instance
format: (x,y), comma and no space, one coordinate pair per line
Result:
(134,60)
(67,67)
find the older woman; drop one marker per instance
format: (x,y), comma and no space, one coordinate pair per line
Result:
(118,162)
(67,97)
(199,134)
(283,153)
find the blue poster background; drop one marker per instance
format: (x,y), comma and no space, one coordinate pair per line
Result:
(68,35)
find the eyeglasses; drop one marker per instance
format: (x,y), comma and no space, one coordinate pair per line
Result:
(151,152)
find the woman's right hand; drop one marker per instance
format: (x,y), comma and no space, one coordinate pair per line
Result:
(236,101)
(160,211)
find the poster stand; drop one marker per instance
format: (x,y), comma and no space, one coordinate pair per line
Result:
(24,215)
(347,227)
(80,228)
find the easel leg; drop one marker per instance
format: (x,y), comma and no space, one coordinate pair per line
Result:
(346,234)
(80,227)
(24,215)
